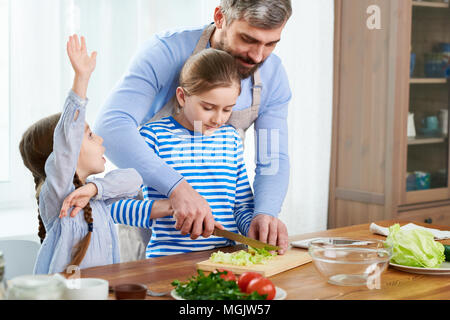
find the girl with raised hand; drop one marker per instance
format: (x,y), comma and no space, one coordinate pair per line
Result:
(62,153)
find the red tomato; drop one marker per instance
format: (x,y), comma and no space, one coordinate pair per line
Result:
(229,276)
(245,278)
(262,286)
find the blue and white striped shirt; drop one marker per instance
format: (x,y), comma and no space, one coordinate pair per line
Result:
(213,165)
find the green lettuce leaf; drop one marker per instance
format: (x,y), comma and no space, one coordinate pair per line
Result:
(414,248)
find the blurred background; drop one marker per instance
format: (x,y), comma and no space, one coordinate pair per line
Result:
(35,77)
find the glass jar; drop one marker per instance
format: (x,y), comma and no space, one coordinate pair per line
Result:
(36,287)
(436,65)
(2,275)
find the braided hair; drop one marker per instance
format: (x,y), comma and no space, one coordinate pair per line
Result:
(81,248)
(35,147)
(41,230)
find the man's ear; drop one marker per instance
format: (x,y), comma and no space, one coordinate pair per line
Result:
(181,96)
(219,18)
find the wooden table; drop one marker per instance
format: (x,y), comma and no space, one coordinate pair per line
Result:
(300,283)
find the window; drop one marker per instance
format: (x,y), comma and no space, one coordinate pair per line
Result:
(4,91)
(36,75)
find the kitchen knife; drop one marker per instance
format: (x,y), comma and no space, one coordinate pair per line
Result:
(245,240)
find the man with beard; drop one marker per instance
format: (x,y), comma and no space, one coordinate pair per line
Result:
(249,30)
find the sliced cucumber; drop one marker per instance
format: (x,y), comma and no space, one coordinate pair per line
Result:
(447,252)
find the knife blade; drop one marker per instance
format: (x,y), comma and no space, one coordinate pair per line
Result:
(245,240)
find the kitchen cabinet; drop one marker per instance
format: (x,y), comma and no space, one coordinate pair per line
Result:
(390,146)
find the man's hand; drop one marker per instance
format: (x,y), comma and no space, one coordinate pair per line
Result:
(78,199)
(192,212)
(270,230)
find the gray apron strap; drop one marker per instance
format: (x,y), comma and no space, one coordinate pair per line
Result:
(204,38)
(257,88)
(241,120)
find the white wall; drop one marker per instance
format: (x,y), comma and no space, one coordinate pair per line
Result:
(310,71)
(306,49)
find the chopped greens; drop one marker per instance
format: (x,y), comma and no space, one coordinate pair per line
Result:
(212,287)
(242,257)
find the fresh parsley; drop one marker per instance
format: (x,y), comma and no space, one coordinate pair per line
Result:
(212,287)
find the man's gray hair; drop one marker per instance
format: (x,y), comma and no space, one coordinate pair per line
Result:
(266,14)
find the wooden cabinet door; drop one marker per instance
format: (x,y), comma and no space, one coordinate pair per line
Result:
(425,174)
(370,92)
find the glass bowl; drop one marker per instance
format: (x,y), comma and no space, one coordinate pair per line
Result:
(350,262)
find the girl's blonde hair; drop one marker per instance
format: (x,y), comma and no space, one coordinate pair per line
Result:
(207,70)
(35,147)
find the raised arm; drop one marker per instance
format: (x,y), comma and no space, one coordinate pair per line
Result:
(61,165)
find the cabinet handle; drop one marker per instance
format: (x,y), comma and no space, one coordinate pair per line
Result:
(428,220)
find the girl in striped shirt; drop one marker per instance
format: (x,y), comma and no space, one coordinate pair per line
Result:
(196,141)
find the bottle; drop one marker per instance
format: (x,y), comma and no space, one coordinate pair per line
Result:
(36,287)
(2,280)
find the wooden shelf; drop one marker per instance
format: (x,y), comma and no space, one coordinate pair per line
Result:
(417,141)
(428,80)
(430,4)
(368,175)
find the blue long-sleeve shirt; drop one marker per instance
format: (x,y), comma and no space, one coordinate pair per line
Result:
(213,165)
(62,234)
(152,80)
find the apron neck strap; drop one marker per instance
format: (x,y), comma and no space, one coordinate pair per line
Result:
(257,88)
(204,38)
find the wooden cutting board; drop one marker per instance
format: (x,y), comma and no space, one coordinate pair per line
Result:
(291,259)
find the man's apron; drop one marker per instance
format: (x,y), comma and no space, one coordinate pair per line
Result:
(133,240)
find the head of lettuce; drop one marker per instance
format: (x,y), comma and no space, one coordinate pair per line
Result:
(414,248)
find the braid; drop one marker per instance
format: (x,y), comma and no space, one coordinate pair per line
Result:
(87,209)
(37,185)
(81,248)
(35,147)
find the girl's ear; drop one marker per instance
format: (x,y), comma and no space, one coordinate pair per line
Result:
(181,97)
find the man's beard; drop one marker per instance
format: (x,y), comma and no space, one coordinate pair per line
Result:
(243,72)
